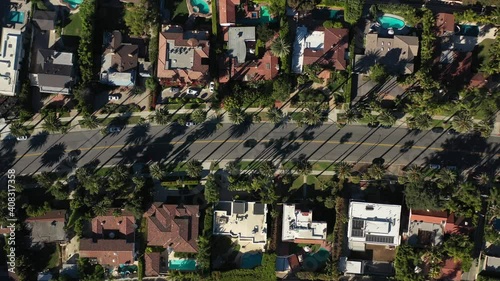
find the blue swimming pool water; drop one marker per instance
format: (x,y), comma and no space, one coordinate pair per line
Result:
(188,265)
(391,22)
(317,260)
(265,18)
(16,17)
(73,3)
(468,30)
(251,260)
(202,5)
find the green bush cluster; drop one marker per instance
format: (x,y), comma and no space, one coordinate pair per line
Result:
(86,46)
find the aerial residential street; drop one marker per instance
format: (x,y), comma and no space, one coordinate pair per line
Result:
(396,146)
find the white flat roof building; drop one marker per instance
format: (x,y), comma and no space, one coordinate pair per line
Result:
(10,60)
(245,221)
(371,223)
(299,225)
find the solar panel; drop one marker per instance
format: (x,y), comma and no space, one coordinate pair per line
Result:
(379,239)
(357,232)
(358,224)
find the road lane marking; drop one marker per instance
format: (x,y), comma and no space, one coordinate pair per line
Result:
(240,141)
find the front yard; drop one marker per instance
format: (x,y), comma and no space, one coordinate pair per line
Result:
(74,25)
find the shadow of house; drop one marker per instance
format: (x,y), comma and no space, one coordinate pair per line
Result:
(453,68)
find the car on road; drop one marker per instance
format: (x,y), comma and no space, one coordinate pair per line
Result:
(189,124)
(437,130)
(452,132)
(22,138)
(114,129)
(193,91)
(250,143)
(113,97)
(212,87)
(435,166)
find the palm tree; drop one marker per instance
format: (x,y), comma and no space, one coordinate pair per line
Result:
(233,168)
(484,128)
(156,171)
(376,172)
(17,129)
(275,115)
(386,119)
(420,121)
(446,177)
(343,170)
(351,117)
(312,116)
(280,47)
(194,168)
(89,121)
(199,116)
(52,123)
(462,122)
(414,175)
(237,116)
(483,179)
(45,179)
(160,116)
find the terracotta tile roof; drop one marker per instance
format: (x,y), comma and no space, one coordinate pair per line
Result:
(266,68)
(437,217)
(445,24)
(227,11)
(478,80)
(451,270)
(108,251)
(173,225)
(333,52)
(122,226)
(54,215)
(152,261)
(173,37)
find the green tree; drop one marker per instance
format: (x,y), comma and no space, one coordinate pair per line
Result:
(459,247)
(267,168)
(377,73)
(462,122)
(281,88)
(405,262)
(232,103)
(87,11)
(420,121)
(17,129)
(194,168)
(160,116)
(52,123)
(199,116)
(212,190)
(280,48)
(376,172)
(465,201)
(275,115)
(343,170)
(312,116)
(46,179)
(89,121)
(137,18)
(385,118)
(264,33)
(237,116)
(156,171)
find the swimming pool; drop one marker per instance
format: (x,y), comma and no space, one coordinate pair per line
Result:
(185,264)
(16,17)
(316,260)
(73,3)
(265,18)
(251,260)
(467,30)
(202,6)
(387,22)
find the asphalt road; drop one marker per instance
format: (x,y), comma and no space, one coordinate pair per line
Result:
(359,144)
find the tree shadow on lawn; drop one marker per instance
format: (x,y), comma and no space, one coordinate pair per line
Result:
(53,155)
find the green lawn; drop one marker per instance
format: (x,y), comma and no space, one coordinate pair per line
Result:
(103,171)
(297,183)
(323,166)
(246,165)
(180,11)
(484,48)
(54,258)
(74,25)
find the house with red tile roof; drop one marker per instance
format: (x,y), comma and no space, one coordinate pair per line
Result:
(112,241)
(173,226)
(323,46)
(183,56)
(427,227)
(241,62)
(451,270)
(152,262)
(445,24)
(227,12)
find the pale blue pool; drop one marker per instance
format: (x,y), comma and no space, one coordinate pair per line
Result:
(467,30)
(251,260)
(73,3)
(391,22)
(16,17)
(265,18)
(187,265)
(202,6)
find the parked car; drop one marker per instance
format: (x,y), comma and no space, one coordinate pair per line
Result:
(437,130)
(435,166)
(189,124)
(113,97)
(193,91)
(22,138)
(212,87)
(114,129)
(452,132)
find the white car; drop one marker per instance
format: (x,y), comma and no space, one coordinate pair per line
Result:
(435,166)
(212,87)
(114,129)
(22,138)
(193,92)
(189,124)
(113,97)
